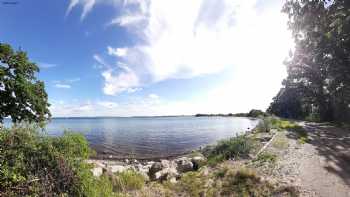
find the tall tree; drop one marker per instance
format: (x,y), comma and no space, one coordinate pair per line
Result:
(22,95)
(319,68)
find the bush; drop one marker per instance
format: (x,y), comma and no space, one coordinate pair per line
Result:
(239,146)
(32,164)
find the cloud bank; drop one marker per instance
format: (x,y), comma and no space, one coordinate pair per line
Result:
(185,39)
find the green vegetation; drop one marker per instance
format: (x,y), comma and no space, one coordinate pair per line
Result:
(128,180)
(317,87)
(22,96)
(192,183)
(239,146)
(264,125)
(255,113)
(33,164)
(225,181)
(280,142)
(266,157)
(245,182)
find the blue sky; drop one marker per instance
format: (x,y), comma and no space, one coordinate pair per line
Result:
(152,57)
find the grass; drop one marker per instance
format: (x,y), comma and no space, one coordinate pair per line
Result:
(266,157)
(280,142)
(293,127)
(245,182)
(127,181)
(239,146)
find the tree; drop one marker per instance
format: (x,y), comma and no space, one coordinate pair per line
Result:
(22,95)
(319,68)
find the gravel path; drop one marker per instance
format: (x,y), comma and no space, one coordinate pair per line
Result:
(320,167)
(325,165)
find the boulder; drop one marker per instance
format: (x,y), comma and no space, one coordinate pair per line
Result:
(198,162)
(116,168)
(184,164)
(143,170)
(163,170)
(166,174)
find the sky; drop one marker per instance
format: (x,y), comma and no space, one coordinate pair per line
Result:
(152,57)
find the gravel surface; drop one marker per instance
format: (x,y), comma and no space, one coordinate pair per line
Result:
(319,167)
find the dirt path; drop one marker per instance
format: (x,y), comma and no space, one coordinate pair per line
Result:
(324,165)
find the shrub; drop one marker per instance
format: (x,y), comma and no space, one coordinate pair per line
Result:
(33,164)
(239,146)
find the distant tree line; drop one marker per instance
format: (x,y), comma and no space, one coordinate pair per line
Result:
(254,113)
(318,83)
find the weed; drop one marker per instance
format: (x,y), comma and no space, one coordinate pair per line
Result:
(266,158)
(245,182)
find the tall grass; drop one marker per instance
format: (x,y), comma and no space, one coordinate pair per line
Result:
(234,147)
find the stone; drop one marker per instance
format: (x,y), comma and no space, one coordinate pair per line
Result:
(198,162)
(164,170)
(173,180)
(156,167)
(184,164)
(116,168)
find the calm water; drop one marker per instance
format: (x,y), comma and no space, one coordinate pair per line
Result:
(151,136)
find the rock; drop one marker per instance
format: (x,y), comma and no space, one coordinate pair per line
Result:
(165,163)
(198,162)
(164,170)
(117,168)
(184,164)
(172,180)
(97,171)
(143,170)
(166,174)
(156,167)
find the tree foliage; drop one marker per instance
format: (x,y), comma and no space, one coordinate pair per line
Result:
(318,81)
(22,96)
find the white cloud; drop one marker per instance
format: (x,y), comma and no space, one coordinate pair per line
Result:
(87,6)
(185,39)
(100,60)
(127,20)
(119,52)
(46,65)
(124,80)
(153,96)
(108,104)
(64,86)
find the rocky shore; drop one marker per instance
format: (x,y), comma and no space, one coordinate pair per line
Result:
(161,170)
